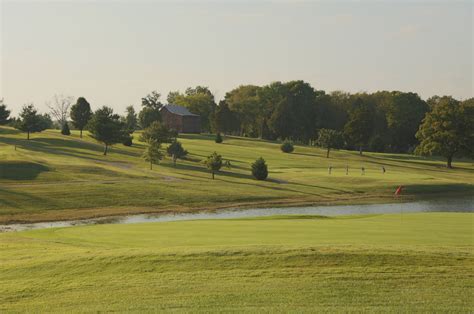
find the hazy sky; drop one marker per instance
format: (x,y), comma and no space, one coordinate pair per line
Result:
(115,52)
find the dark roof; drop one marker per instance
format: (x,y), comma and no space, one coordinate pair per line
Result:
(179,110)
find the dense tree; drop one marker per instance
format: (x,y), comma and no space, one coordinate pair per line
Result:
(158,132)
(245,103)
(447,130)
(176,151)
(359,127)
(225,121)
(259,169)
(150,112)
(130,119)
(404,113)
(107,127)
(30,121)
(81,113)
(329,139)
(4,113)
(153,153)
(214,163)
(199,100)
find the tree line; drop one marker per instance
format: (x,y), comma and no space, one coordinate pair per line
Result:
(384,121)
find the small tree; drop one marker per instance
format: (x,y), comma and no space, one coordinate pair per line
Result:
(259,169)
(176,151)
(219,138)
(65,129)
(130,119)
(214,163)
(106,127)
(328,139)
(153,153)
(30,121)
(81,114)
(158,132)
(4,113)
(287,147)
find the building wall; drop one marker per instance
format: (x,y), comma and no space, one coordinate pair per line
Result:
(182,124)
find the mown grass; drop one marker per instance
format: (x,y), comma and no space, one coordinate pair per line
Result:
(379,263)
(54,177)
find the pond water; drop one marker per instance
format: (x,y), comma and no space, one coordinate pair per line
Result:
(438,205)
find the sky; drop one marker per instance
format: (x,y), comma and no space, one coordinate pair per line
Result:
(115,52)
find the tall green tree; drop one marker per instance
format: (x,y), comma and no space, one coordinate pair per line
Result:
(246,104)
(131,119)
(225,121)
(107,127)
(158,132)
(150,112)
(81,113)
(153,153)
(329,139)
(213,163)
(30,121)
(447,130)
(4,113)
(359,127)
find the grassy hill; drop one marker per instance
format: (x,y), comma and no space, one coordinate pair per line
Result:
(55,177)
(379,263)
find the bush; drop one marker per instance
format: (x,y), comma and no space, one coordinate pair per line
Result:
(259,169)
(213,163)
(219,138)
(287,147)
(128,141)
(65,129)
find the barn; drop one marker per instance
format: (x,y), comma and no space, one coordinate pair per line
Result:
(179,118)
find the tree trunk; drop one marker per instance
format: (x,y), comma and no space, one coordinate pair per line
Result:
(448,165)
(174,160)
(327,154)
(105,149)
(212,175)
(360,150)
(81,133)
(151,165)
(28,135)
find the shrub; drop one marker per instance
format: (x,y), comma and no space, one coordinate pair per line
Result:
(65,129)
(287,147)
(176,151)
(219,138)
(259,169)
(128,141)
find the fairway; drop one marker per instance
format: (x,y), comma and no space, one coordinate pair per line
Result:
(414,262)
(56,177)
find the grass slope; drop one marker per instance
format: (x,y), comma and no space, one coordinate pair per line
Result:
(409,263)
(54,177)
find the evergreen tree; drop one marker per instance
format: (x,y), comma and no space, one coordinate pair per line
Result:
(287,147)
(176,151)
(219,138)
(65,129)
(259,169)
(30,121)
(106,127)
(4,113)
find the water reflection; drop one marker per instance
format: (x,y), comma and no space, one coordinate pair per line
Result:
(445,205)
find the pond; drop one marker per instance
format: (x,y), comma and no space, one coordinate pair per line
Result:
(438,205)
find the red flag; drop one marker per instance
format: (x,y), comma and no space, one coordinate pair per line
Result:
(399,190)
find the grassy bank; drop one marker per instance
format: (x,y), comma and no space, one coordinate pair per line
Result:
(414,262)
(55,177)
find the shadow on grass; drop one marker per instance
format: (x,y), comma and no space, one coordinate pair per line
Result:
(21,170)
